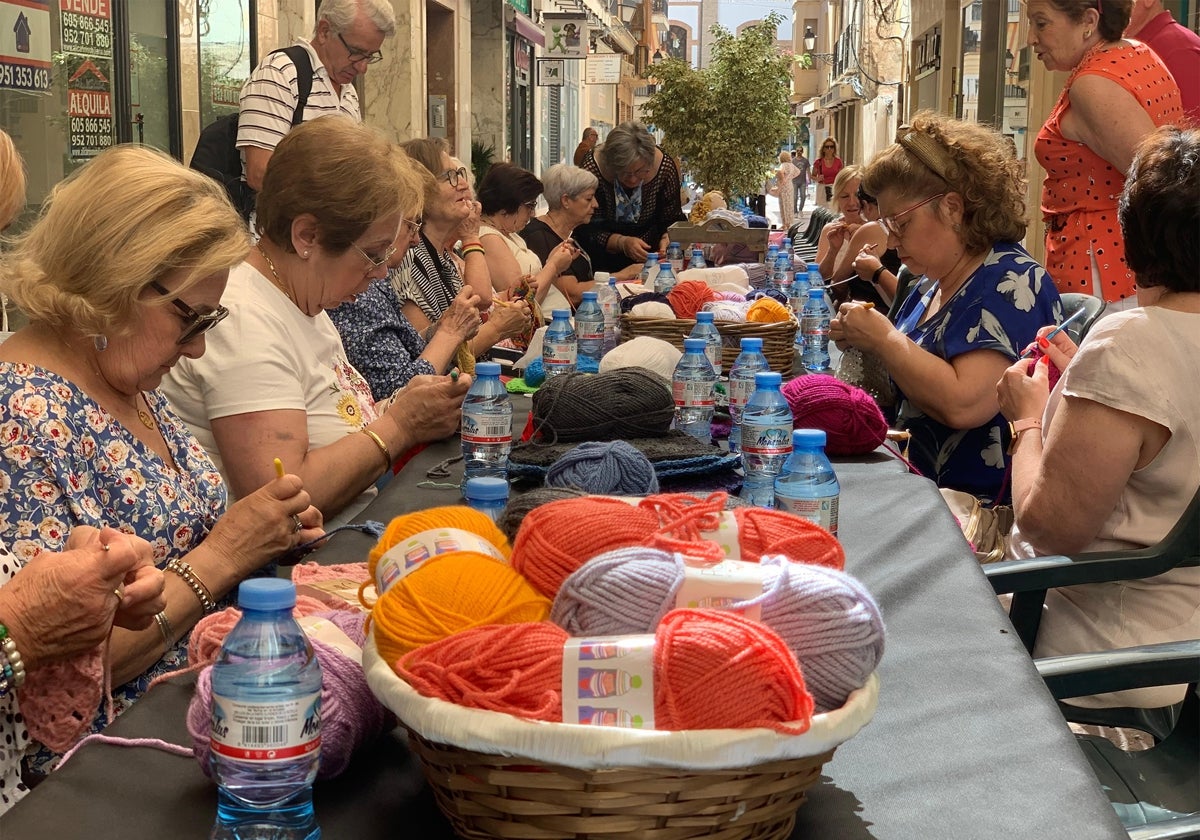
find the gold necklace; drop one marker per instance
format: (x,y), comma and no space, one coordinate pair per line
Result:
(277,282)
(143,415)
(553,223)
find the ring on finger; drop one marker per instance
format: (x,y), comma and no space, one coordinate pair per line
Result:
(299,525)
(120,593)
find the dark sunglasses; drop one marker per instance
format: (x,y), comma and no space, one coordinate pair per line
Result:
(195,323)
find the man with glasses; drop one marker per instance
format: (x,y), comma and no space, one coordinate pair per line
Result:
(347,39)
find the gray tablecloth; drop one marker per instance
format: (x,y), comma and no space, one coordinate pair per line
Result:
(966,742)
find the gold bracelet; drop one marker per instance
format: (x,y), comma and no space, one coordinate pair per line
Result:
(387,456)
(184,570)
(164,627)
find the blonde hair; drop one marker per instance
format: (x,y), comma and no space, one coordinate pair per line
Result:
(129,217)
(938,154)
(12,181)
(785,156)
(845,174)
(344,174)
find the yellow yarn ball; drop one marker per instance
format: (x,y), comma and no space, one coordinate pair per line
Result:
(767,310)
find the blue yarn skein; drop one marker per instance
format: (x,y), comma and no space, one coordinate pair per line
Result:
(605,467)
(535,371)
(826,617)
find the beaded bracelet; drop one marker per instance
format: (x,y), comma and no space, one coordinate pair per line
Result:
(12,667)
(184,570)
(387,456)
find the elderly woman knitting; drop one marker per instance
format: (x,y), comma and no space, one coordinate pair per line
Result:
(570,194)
(638,198)
(951,198)
(121,277)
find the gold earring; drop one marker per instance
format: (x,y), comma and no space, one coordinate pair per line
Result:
(1087,34)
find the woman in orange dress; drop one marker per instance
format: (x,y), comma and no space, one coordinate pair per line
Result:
(1118,92)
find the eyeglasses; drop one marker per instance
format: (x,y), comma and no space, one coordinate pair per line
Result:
(889,222)
(196,323)
(376,263)
(412,225)
(454,176)
(356,55)
(531,205)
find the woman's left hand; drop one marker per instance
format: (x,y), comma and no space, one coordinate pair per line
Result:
(866,263)
(269,522)
(562,256)
(468,228)
(859,325)
(1022,394)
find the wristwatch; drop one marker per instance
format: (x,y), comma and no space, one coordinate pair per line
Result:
(1017,426)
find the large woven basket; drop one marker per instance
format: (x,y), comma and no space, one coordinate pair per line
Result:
(778,339)
(497,777)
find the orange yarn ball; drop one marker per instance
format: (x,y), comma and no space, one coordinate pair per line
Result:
(767,310)
(688,297)
(558,537)
(450,593)
(762,531)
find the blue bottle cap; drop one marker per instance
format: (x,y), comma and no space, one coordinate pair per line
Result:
(751,345)
(694,345)
(814,267)
(768,379)
(487,369)
(808,439)
(561,314)
(490,488)
(589,295)
(674,245)
(652,256)
(816,293)
(704,317)
(266,594)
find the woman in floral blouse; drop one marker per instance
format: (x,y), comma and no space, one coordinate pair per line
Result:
(122,276)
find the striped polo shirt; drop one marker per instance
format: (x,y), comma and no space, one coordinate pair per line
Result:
(270,94)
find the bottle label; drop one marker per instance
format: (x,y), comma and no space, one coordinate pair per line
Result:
(722,586)
(559,353)
(823,511)
(693,393)
(276,731)
(766,440)
(611,309)
(609,681)
(593,332)
(714,354)
(483,429)
(405,556)
(740,391)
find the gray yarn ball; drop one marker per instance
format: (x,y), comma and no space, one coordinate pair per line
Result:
(611,467)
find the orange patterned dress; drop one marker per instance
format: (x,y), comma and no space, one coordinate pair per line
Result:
(1081,190)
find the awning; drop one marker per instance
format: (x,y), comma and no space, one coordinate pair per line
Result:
(524,26)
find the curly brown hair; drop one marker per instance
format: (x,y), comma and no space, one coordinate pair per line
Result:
(936,154)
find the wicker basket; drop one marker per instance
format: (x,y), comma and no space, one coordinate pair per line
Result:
(497,777)
(778,339)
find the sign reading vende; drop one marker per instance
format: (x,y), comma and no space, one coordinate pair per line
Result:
(25,44)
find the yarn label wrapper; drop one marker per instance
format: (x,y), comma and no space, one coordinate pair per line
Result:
(337,593)
(722,586)
(266,732)
(407,555)
(323,630)
(609,681)
(726,534)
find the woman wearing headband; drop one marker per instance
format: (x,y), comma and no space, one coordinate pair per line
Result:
(951,200)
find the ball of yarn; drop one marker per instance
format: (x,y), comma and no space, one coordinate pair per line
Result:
(735,297)
(652,309)
(618,405)
(688,296)
(765,310)
(850,418)
(712,670)
(535,371)
(612,467)
(460,517)
(520,504)
(627,303)
(826,617)
(773,294)
(727,310)
(450,593)
(557,538)
(350,714)
(647,352)
(763,532)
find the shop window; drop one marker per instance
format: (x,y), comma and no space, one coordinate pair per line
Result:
(223,29)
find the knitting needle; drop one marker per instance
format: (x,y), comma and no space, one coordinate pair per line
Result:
(278,468)
(1073,316)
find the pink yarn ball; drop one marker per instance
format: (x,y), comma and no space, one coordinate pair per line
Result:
(850,418)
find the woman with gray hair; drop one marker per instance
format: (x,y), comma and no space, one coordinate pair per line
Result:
(637,198)
(570,194)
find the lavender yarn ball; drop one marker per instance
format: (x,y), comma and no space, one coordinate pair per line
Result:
(350,714)
(826,617)
(603,467)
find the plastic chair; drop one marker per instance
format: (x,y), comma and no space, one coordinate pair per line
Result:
(1155,792)
(1093,306)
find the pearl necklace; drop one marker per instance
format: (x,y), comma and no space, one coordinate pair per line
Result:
(277,282)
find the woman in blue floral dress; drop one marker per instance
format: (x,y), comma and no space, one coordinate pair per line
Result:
(121,277)
(952,201)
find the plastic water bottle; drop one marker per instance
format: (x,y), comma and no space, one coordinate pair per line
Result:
(692,387)
(814,329)
(707,330)
(808,485)
(560,346)
(797,295)
(487,495)
(697,260)
(486,425)
(816,281)
(664,281)
(783,272)
(649,270)
(589,327)
(610,307)
(772,255)
(766,439)
(675,257)
(266,719)
(741,385)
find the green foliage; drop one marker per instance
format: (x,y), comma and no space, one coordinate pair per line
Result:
(728,119)
(482,158)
